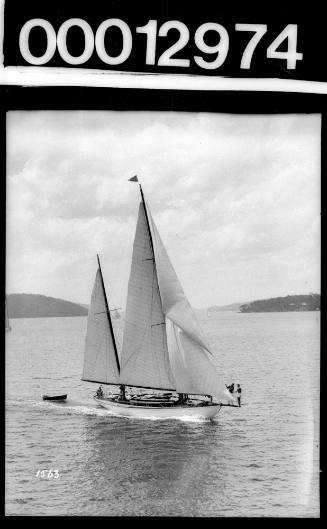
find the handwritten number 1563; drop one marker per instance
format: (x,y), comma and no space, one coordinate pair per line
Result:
(47,474)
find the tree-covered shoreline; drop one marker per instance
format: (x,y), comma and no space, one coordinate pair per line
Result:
(38,306)
(298,303)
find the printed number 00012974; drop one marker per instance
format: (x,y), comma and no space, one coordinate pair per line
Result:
(219,51)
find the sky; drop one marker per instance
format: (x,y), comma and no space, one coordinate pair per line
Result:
(236,199)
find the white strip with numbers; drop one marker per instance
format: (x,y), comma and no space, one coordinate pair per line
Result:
(48,76)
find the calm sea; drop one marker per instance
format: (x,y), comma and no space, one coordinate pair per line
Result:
(259,460)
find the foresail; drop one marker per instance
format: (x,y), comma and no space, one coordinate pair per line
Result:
(193,368)
(174,302)
(100,361)
(145,359)
(190,357)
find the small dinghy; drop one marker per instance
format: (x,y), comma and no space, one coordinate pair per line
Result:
(54,397)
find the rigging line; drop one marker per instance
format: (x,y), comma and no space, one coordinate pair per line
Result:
(156,292)
(130,385)
(106,311)
(152,248)
(107,356)
(154,277)
(147,221)
(101,382)
(109,318)
(151,241)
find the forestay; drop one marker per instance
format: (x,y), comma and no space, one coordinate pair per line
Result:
(100,358)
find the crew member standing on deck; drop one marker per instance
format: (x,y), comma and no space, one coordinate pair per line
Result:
(122,395)
(238,393)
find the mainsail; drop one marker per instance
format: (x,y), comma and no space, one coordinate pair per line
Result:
(145,359)
(101,362)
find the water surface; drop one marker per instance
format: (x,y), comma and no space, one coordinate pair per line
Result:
(259,460)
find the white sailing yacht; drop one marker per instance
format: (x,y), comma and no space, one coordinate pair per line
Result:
(163,350)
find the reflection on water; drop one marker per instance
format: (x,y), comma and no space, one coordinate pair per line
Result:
(166,465)
(260,460)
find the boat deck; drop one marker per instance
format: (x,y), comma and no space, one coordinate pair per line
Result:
(156,402)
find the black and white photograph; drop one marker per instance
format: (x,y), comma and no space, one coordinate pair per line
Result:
(163,314)
(162,263)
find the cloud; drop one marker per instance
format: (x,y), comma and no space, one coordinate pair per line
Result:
(236,199)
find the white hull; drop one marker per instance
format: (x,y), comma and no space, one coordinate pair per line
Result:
(169,412)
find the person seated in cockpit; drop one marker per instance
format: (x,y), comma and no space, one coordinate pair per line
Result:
(100,392)
(182,398)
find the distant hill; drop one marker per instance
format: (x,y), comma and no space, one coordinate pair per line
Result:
(83,305)
(232,306)
(284,304)
(37,306)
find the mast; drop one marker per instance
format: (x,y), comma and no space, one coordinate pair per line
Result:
(147,220)
(109,317)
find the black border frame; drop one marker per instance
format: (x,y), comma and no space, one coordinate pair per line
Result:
(235,102)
